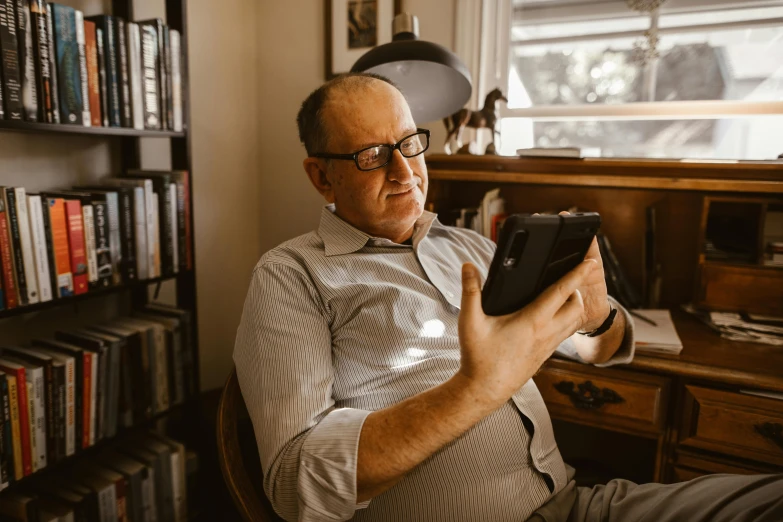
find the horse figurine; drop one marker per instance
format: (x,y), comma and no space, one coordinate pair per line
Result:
(487,118)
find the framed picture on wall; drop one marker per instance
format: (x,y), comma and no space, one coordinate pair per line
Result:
(353,27)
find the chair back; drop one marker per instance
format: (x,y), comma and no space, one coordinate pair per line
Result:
(238,455)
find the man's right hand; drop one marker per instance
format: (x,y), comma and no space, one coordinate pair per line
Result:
(500,354)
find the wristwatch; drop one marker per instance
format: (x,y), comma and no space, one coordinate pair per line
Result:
(604,326)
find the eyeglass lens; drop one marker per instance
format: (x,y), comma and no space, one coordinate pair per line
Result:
(375,157)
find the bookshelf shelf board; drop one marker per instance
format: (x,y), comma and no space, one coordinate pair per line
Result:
(60,128)
(54,303)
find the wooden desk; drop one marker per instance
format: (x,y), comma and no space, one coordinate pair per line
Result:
(689,405)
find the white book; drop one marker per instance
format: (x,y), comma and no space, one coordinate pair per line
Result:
(115,246)
(142,231)
(661,337)
(27,245)
(39,385)
(173,224)
(134,72)
(39,247)
(70,396)
(176,77)
(156,242)
(551,152)
(86,117)
(153,250)
(34,462)
(89,243)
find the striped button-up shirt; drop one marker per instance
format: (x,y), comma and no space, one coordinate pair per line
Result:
(338,324)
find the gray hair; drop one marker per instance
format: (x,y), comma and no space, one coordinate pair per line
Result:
(312,131)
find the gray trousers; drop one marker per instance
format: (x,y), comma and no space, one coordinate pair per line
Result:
(713,498)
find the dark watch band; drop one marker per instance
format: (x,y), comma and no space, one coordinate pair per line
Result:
(604,326)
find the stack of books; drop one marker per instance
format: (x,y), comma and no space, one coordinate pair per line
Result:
(60,67)
(654,332)
(62,395)
(68,242)
(488,218)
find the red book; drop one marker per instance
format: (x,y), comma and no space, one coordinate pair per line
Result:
(86,398)
(6,263)
(73,214)
(18,371)
(93,79)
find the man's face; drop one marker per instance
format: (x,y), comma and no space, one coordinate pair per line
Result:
(384,202)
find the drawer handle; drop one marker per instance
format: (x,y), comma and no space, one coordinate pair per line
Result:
(772,431)
(588,396)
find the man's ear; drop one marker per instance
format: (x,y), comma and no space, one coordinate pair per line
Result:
(316,169)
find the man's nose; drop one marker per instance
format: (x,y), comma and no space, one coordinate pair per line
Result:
(399,169)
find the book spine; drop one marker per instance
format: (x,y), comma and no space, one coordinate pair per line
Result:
(16,430)
(53,64)
(49,245)
(127,236)
(182,239)
(76,248)
(43,74)
(2,103)
(157,236)
(62,255)
(6,258)
(174,226)
(112,76)
(88,219)
(68,70)
(24,419)
(5,470)
(168,102)
(58,412)
(24,33)
(16,245)
(9,61)
(27,246)
(162,367)
(135,74)
(84,80)
(39,418)
(110,429)
(88,405)
(103,76)
(141,233)
(176,79)
(151,218)
(150,79)
(31,427)
(163,94)
(102,248)
(40,256)
(122,64)
(94,398)
(115,241)
(93,77)
(166,227)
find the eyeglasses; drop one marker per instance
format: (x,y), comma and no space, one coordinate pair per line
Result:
(379,156)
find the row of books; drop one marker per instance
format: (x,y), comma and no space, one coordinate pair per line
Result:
(62,395)
(67,242)
(487,219)
(59,67)
(143,478)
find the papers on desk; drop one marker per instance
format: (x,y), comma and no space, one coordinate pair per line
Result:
(742,327)
(659,338)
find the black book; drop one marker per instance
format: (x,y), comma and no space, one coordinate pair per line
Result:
(16,245)
(102,245)
(102,77)
(9,61)
(125,95)
(53,63)
(49,249)
(82,501)
(186,332)
(135,474)
(24,34)
(78,358)
(169,104)
(69,76)
(150,82)
(6,473)
(45,361)
(41,47)
(115,345)
(166,218)
(107,26)
(18,506)
(2,105)
(160,65)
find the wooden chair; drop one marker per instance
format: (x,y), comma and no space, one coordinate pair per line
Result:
(238,455)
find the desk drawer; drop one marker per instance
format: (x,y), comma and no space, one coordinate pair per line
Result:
(688,466)
(734,424)
(604,397)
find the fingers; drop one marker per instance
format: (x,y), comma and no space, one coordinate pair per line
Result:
(593,252)
(553,298)
(571,312)
(471,292)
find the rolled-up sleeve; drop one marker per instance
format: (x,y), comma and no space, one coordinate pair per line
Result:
(623,355)
(283,358)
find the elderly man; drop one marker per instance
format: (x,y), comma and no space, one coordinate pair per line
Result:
(378,388)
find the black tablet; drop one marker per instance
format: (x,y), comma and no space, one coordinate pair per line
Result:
(533,252)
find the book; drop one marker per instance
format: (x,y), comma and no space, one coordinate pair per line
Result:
(551,152)
(40,253)
(84,81)
(57,400)
(150,76)
(186,332)
(67,401)
(110,380)
(174,356)
(42,65)
(60,231)
(135,474)
(96,379)
(6,258)
(26,242)
(152,487)
(80,500)
(104,489)
(93,74)
(144,229)
(122,63)
(53,63)
(24,35)
(77,238)
(162,73)
(9,61)
(6,448)
(167,219)
(107,27)
(107,230)
(176,80)
(133,39)
(104,267)
(20,392)
(49,245)
(157,454)
(66,48)
(18,506)
(16,433)
(36,392)
(102,76)
(15,242)
(97,470)
(659,338)
(157,358)
(167,100)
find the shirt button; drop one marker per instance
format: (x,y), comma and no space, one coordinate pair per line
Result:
(449,294)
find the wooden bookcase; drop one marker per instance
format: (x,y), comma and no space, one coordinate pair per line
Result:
(179,420)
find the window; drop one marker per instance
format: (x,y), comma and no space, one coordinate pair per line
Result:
(575,78)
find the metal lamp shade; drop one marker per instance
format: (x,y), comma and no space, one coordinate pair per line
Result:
(434,81)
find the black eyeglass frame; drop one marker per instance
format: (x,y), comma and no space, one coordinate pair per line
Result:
(396,146)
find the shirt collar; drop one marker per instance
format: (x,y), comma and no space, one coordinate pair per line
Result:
(341,238)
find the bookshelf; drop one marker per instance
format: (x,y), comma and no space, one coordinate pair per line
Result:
(181,419)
